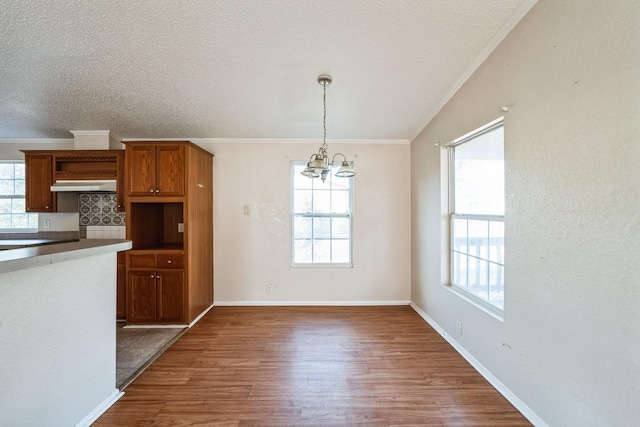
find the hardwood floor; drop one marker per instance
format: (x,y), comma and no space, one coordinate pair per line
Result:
(314,366)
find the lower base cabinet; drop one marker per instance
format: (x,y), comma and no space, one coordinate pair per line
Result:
(121,290)
(155,295)
(170,296)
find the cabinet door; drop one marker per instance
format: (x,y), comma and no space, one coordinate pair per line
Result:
(121,187)
(121,293)
(39,177)
(170,170)
(141,172)
(141,296)
(171,296)
(121,286)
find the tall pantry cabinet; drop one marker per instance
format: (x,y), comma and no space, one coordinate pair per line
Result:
(169,204)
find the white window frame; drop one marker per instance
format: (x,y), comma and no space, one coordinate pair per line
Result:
(482,303)
(17,196)
(348,215)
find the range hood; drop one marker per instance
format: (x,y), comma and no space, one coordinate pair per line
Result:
(106,185)
(92,165)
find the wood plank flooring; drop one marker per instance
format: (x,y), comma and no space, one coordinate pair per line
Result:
(311,366)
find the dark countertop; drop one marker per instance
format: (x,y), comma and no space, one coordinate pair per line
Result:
(24,243)
(34,256)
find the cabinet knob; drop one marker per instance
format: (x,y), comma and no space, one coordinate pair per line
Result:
(150,191)
(46,207)
(157,277)
(169,262)
(153,276)
(157,191)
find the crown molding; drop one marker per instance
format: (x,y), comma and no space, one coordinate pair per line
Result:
(296,141)
(90,132)
(484,54)
(211,140)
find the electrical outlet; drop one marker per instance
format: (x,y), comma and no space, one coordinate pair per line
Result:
(180,227)
(47,223)
(459,326)
(269,289)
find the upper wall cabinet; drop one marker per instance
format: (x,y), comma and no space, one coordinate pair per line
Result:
(39,173)
(155,170)
(46,167)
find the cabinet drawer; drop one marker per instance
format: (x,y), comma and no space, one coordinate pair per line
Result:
(142,261)
(170,261)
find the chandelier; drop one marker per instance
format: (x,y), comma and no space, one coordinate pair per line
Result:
(319,165)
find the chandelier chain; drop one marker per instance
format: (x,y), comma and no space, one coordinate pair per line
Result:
(324,115)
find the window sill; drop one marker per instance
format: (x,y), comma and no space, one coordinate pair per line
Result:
(488,308)
(319,265)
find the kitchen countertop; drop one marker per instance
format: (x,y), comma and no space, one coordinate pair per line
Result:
(20,243)
(22,258)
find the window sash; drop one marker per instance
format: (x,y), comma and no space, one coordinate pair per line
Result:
(329,237)
(487,252)
(482,256)
(9,216)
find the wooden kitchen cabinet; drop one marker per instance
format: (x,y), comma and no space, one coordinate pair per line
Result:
(155,170)
(121,287)
(169,205)
(39,178)
(120,183)
(156,294)
(141,296)
(170,294)
(43,168)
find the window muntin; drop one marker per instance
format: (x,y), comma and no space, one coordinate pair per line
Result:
(477,214)
(13,215)
(321,219)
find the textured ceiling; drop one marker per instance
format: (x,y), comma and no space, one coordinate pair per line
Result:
(237,68)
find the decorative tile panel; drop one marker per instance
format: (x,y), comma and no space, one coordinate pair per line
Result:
(105,232)
(99,209)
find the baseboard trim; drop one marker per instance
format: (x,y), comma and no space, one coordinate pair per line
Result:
(308,303)
(155,327)
(482,370)
(101,408)
(201,315)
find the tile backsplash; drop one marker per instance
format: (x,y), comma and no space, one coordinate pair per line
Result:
(99,209)
(99,217)
(106,232)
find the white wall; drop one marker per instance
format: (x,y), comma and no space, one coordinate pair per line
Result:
(57,341)
(569,345)
(11,150)
(254,250)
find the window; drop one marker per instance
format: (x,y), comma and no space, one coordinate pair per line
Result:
(12,202)
(477,214)
(321,219)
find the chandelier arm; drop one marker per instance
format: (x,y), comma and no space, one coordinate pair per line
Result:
(333,160)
